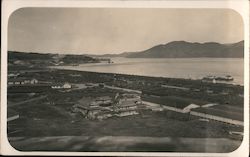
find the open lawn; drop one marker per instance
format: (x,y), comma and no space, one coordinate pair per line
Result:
(173,101)
(53,116)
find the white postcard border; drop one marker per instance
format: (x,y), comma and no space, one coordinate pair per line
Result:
(9,6)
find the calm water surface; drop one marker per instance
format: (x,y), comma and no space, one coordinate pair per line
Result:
(194,68)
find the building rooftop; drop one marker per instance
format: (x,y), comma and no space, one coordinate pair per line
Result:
(103,98)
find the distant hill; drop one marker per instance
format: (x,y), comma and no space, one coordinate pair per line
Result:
(183,49)
(175,49)
(125,54)
(14,55)
(78,59)
(40,59)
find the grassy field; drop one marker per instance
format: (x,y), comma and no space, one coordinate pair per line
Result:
(173,101)
(53,115)
(43,122)
(55,120)
(225,112)
(124,144)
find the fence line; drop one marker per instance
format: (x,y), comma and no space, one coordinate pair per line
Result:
(155,106)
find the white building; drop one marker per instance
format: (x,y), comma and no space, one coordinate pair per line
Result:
(127,113)
(66,86)
(61,86)
(22,81)
(104,100)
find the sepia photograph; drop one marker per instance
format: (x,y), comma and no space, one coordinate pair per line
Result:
(92,79)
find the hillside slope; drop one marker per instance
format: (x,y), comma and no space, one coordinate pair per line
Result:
(183,49)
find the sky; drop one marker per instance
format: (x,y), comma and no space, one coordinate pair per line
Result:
(117,30)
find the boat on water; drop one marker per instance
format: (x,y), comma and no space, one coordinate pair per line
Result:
(218,78)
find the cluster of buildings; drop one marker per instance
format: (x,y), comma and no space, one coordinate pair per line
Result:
(105,107)
(214,79)
(15,80)
(65,85)
(22,81)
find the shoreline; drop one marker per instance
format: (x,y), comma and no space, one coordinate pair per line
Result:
(156,77)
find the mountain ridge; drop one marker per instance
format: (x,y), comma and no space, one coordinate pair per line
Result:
(184,49)
(174,49)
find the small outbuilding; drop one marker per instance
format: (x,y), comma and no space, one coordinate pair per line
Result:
(61,86)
